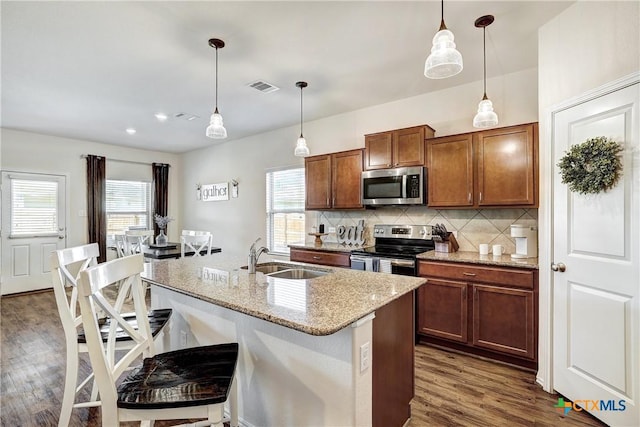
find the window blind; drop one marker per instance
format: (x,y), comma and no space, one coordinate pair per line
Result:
(34,207)
(285,209)
(128,206)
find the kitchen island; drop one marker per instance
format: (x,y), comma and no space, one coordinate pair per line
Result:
(333,350)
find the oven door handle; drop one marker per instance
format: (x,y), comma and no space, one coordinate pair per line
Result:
(402,263)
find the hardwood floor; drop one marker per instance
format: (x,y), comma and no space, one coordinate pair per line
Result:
(451,389)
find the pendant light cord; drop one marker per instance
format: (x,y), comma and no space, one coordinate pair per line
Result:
(442,26)
(301,111)
(484,57)
(216,80)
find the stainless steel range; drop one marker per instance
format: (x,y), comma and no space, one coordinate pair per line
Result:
(395,249)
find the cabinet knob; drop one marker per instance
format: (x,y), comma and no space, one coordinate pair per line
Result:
(469,198)
(317,257)
(468,274)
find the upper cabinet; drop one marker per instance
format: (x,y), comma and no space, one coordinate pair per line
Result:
(492,168)
(333,181)
(317,176)
(507,166)
(396,148)
(450,171)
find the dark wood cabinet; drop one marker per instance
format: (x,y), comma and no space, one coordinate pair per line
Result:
(450,171)
(378,150)
(333,181)
(503,320)
(492,168)
(336,259)
(443,309)
(396,148)
(346,189)
(507,166)
(500,322)
(392,351)
(317,170)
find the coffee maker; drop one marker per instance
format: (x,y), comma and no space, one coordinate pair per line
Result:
(526,241)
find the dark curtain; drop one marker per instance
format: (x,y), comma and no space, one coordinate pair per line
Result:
(96,203)
(160,191)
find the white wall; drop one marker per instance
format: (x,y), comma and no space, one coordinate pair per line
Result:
(587,45)
(36,153)
(237,222)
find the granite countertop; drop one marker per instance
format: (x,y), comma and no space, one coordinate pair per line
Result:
(476,258)
(319,306)
(330,247)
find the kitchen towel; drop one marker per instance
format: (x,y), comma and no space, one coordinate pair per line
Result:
(385,266)
(368,264)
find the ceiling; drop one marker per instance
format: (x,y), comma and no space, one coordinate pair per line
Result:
(88,70)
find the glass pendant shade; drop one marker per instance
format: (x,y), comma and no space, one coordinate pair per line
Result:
(216,129)
(301,147)
(486,117)
(444,61)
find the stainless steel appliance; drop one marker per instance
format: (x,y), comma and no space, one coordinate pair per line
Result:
(397,186)
(395,249)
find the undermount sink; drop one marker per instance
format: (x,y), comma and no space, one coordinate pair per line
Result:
(287,271)
(297,273)
(271,268)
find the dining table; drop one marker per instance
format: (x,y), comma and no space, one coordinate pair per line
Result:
(171,250)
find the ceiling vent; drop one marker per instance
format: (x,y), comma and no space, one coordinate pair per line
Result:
(263,86)
(186,116)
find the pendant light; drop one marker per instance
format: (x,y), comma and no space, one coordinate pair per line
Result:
(301,146)
(486,117)
(444,60)
(216,129)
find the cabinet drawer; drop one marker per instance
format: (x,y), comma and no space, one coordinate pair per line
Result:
(337,259)
(478,274)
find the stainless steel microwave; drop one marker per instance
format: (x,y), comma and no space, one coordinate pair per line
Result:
(397,186)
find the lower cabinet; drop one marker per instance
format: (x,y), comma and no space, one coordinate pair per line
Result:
(490,311)
(443,310)
(336,259)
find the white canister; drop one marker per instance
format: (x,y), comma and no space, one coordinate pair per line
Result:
(483,248)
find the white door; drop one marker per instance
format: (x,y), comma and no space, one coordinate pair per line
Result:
(596,300)
(33,225)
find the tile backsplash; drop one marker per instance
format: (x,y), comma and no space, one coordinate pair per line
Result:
(473,226)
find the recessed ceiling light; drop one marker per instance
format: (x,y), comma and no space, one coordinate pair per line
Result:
(161,116)
(131,131)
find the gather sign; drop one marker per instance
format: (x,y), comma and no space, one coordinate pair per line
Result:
(214,192)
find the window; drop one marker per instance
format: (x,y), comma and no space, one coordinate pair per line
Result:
(34,208)
(285,209)
(128,206)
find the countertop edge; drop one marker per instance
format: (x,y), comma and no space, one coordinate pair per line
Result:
(329,247)
(318,331)
(475,258)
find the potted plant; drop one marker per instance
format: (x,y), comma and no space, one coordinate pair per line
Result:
(162,221)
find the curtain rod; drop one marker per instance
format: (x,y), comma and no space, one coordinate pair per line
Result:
(84,156)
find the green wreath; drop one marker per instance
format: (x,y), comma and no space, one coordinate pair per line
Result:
(592,166)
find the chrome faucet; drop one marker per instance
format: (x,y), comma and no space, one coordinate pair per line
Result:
(254,254)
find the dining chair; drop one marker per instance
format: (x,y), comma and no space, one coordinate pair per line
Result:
(182,384)
(123,246)
(66,265)
(196,241)
(145,238)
